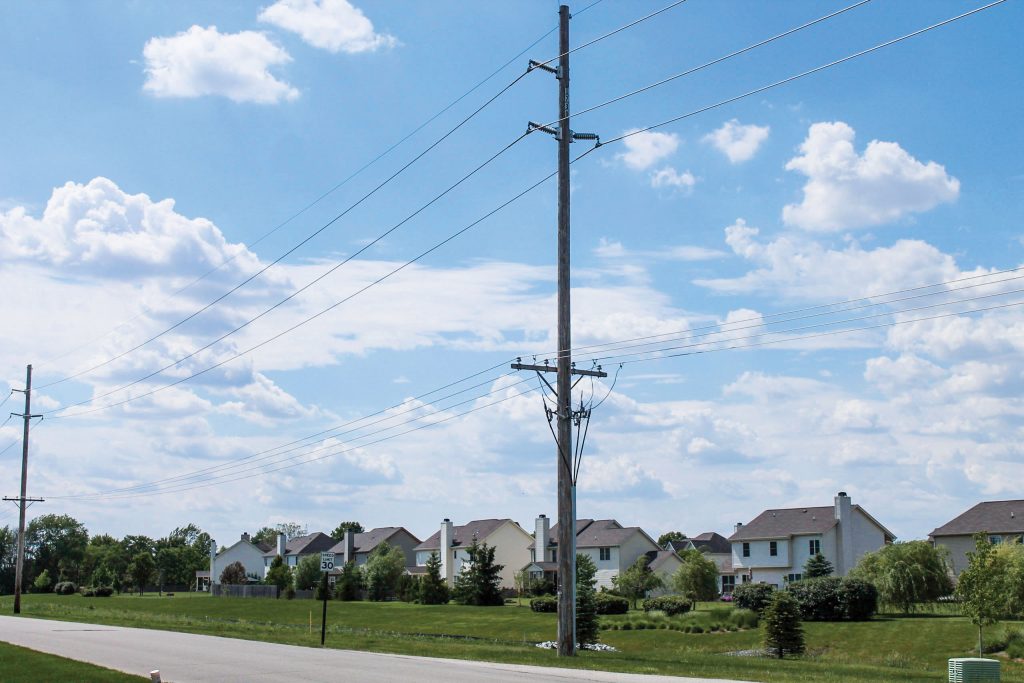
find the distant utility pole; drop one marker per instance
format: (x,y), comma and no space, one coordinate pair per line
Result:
(566,485)
(23,501)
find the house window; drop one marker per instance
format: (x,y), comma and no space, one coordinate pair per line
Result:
(606,554)
(995,540)
(814,546)
(554,555)
(746,550)
(790,578)
(773,548)
(746,578)
(728,583)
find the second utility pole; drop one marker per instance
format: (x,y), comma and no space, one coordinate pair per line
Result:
(566,497)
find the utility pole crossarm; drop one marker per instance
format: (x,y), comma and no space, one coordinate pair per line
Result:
(552,368)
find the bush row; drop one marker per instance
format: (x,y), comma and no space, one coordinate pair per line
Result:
(606,604)
(828,598)
(669,604)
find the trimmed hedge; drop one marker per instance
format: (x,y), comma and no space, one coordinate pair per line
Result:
(546,603)
(831,598)
(671,605)
(752,596)
(65,588)
(99,592)
(611,604)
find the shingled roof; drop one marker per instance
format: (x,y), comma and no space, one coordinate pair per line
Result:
(463,535)
(711,542)
(366,541)
(994,517)
(794,521)
(591,533)
(305,545)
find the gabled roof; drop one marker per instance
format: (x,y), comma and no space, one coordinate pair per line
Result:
(787,522)
(581,524)
(462,536)
(602,533)
(305,545)
(366,541)
(260,547)
(711,542)
(661,557)
(997,516)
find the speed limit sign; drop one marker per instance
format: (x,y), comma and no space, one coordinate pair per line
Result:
(326,562)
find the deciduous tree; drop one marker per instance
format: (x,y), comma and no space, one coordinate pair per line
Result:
(279,575)
(141,570)
(354,527)
(697,577)
(669,536)
(981,587)
(385,564)
(637,581)
(906,574)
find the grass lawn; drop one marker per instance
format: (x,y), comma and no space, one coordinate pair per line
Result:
(21,665)
(884,649)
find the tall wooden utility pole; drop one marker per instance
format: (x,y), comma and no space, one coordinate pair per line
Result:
(566,507)
(22,500)
(563,389)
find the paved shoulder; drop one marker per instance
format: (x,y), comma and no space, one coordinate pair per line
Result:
(188,658)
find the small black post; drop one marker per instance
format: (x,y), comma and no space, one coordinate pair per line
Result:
(323,622)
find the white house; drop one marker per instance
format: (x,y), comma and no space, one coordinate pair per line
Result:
(245,551)
(452,543)
(294,549)
(612,547)
(716,548)
(1001,520)
(774,547)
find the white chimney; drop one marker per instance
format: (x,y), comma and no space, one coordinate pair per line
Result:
(844,534)
(736,527)
(282,545)
(541,534)
(348,552)
(214,577)
(445,549)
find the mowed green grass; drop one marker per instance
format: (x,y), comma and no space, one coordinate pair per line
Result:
(21,665)
(884,649)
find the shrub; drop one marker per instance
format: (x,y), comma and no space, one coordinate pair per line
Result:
(289,593)
(611,604)
(818,598)
(858,598)
(1015,645)
(546,603)
(783,633)
(408,588)
(43,582)
(103,591)
(671,605)
(88,592)
(65,588)
(744,618)
(752,596)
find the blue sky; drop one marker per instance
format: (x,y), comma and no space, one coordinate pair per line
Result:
(145,144)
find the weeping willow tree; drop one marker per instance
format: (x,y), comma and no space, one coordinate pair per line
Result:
(907,574)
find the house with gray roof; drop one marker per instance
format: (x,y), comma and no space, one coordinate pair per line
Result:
(612,547)
(294,549)
(1001,520)
(249,554)
(716,548)
(774,547)
(452,543)
(356,547)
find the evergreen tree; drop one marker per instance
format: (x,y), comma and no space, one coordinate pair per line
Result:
(817,566)
(782,630)
(479,583)
(43,582)
(586,600)
(350,584)
(433,589)
(279,575)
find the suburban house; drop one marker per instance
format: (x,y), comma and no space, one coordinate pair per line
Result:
(243,550)
(611,546)
(294,549)
(452,544)
(775,546)
(717,549)
(356,547)
(1001,520)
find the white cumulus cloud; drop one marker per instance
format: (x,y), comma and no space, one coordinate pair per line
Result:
(204,61)
(334,25)
(670,177)
(737,141)
(845,189)
(644,150)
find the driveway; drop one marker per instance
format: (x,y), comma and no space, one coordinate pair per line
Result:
(187,657)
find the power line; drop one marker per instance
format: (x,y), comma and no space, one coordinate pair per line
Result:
(349,208)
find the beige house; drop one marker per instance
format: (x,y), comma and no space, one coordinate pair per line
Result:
(1001,520)
(452,544)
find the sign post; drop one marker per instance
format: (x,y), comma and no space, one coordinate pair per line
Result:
(326,565)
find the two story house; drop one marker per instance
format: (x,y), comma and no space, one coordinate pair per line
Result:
(774,547)
(243,550)
(294,549)
(611,546)
(452,542)
(716,548)
(356,547)
(1001,520)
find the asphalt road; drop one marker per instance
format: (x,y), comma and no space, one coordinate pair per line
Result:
(187,657)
